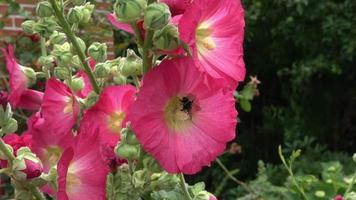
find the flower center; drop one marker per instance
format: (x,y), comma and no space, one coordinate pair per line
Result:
(178,112)
(68,108)
(53,154)
(72,181)
(203,37)
(115,121)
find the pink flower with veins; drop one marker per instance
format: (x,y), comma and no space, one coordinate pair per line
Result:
(107,116)
(214,29)
(81,170)
(20,96)
(60,107)
(186,123)
(178,6)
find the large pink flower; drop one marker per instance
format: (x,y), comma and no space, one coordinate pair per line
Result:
(20,96)
(214,29)
(182,117)
(81,170)
(60,107)
(178,6)
(107,116)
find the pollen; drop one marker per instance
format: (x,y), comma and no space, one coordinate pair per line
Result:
(115,121)
(68,108)
(205,42)
(178,113)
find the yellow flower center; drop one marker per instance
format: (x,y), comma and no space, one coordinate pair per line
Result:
(68,108)
(177,113)
(115,121)
(72,180)
(203,37)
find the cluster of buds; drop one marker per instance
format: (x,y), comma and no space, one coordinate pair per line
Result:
(7,123)
(26,165)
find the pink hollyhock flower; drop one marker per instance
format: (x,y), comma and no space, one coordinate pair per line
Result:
(3,99)
(33,169)
(119,25)
(338,197)
(16,142)
(60,107)
(212,197)
(107,116)
(81,171)
(20,96)
(178,6)
(186,123)
(214,29)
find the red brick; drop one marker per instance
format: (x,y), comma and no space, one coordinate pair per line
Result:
(103,6)
(18,21)
(10,33)
(7,21)
(3,8)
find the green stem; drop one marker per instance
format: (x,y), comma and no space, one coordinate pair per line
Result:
(138,35)
(231,176)
(147,58)
(44,53)
(36,192)
(68,31)
(351,184)
(10,157)
(222,184)
(184,187)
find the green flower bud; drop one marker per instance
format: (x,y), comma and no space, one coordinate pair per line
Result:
(128,137)
(10,126)
(62,73)
(126,151)
(77,62)
(63,53)
(87,12)
(81,44)
(57,37)
(203,195)
(139,179)
(120,79)
(75,15)
(163,181)
(157,15)
(45,27)
(46,61)
(78,2)
(28,26)
(131,65)
(320,194)
(98,51)
(44,9)
(354,157)
(76,84)
(29,73)
(166,39)
(91,99)
(151,164)
(102,70)
(2,155)
(129,10)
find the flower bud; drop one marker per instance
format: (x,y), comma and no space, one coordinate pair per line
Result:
(81,44)
(28,26)
(120,79)
(57,37)
(26,165)
(29,73)
(62,73)
(10,126)
(140,178)
(129,10)
(131,65)
(47,61)
(127,151)
(151,164)
(157,15)
(166,39)
(45,26)
(75,15)
(102,70)
(87,12)
(44,9)
(97,51)
(91,99)
(128,137)
(76,84)
(203,195)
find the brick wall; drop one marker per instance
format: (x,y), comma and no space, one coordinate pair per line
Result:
(13,22)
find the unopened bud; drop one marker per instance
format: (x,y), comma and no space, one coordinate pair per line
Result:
(127,151)
(157,15)
(81,44)
(203,195)
(62,73)
(140,178)
(76,84)
(57,37)
(77,62)
(46,61)
(166,39)
(120,79)
(98,51)
(87,12)
(128,137)
(29,73)
(102,70)
(45,26)
(26,165)
(129,10)
(91,99)
(44,9)
(131,65)
(75,15)
(28,26)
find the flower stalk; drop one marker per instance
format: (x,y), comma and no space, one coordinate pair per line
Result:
(68,31)
(184,187)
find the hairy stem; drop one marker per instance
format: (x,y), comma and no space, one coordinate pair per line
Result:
(184,187)
(147,58)
(68,31)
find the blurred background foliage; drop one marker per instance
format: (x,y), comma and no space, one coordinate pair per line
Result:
(303,52)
